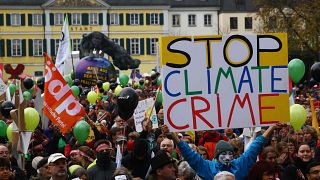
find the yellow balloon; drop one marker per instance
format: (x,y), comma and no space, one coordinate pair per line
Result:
(9,132)
(117,90)
(92,97)
(298,116)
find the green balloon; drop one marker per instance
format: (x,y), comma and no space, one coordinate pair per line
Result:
(31,91)
(296,70)
(106,86)
(27,96)
(124,79)
(159,97)
(81,131)
(68,79)
(12,89)
(9,132)
(159,81)
(75,90)
(3,128)
(152,73)
(61,143)
(92,97)
(298,116)
(31,118)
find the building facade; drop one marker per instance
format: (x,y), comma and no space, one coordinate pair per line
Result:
(30,27)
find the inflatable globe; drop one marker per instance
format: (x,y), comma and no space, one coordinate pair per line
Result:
(88,68)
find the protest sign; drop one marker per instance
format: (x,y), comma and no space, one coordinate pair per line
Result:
(142,110)
(216,82)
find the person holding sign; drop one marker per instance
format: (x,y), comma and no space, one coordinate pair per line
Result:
(223,160)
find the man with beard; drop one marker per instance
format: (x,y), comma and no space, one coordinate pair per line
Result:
(58,166)
(104,167)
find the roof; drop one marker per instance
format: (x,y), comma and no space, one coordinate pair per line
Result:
(237,5)
(172,3)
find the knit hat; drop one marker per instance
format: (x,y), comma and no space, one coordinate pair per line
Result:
(222,146)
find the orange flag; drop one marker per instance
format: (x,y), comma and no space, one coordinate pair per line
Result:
(60,105)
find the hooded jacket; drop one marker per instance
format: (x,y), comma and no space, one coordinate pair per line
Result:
(208,169)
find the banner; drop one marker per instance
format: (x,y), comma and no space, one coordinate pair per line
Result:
(60,105)
(142,110)
(217,82)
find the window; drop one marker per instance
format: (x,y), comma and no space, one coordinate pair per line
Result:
(76,44)
(248,22)
(135,46)
(58,18)
(154,18)
(207,20)
(37,19)
(233,23)
(37,47)
(153,45)
(116,40)
(192,20)
(15,19)
(134,19)
(114,19)
(176,20)
(76,19)
(93,19)
(56,45)
(16,47)
(38,73)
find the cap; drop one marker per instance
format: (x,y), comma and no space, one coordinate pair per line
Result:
(53,157)
(121,138)
(42,163)
(35,161)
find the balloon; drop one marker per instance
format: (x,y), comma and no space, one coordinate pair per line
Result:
(68,79)
(27,95)
(124,79)
(40,83)
(136,84)
(31,118)
(31,90)
(127,102)
(296,70)
(3,129)
(73,168)
(159,97)
(6,107)
(85,72)
(9,132)
(315,71)
(152,73)
(99,83)
(28,83)
(298,116)
(159,81)
(61,143)
(113,86)
(92,97)
(106,86)
(75,90)
(147,81)
(12,89)
(117,90)
(81,131)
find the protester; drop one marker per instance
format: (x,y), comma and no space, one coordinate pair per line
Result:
(5,170)
(104,167)
(163,167)
(224,156)
(313,171)
(18,173)
(263,170)
(43,170)
(224,175)
(185,172)
(58,166)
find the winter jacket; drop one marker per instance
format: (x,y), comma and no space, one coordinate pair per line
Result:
(208,169)
(98,173)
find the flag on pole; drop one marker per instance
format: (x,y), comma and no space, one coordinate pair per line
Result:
(60,105)
(315,123)
(63,54)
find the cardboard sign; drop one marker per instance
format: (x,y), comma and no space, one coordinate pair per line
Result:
(60,105)
(215,82)
(142,110)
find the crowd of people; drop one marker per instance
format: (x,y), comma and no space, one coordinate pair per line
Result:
(278,152)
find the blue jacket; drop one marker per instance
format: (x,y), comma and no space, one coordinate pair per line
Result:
(208,169)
